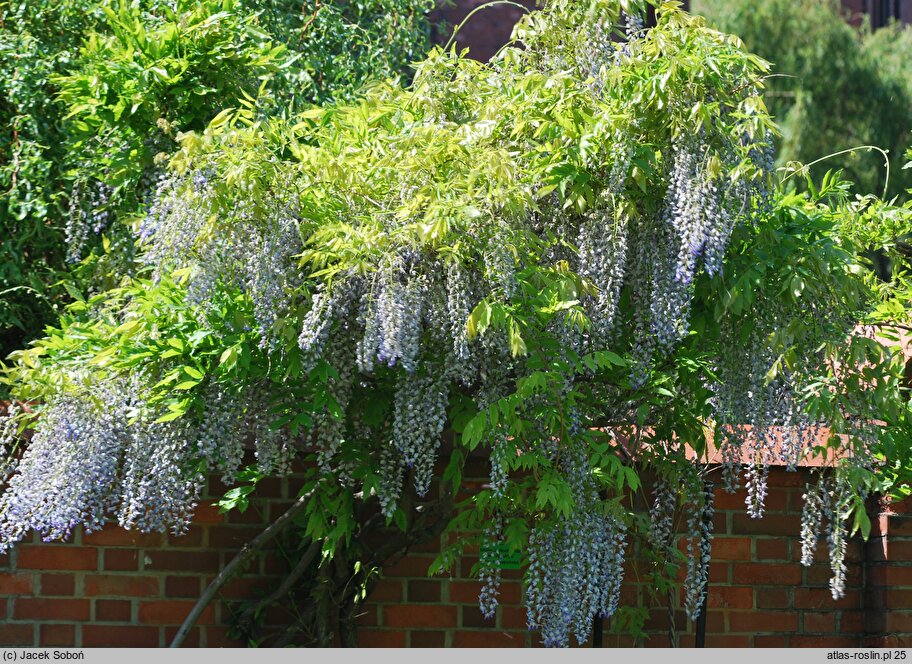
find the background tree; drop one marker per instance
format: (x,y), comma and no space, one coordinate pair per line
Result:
(833,86)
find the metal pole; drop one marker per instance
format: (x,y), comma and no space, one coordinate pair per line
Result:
(700,640)
(700,637)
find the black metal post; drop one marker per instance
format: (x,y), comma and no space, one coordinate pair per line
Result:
(700,639)
(597,629)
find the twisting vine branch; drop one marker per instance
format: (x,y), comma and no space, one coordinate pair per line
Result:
(244,555)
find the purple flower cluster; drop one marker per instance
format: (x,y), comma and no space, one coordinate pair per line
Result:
(575,563)
(699,548)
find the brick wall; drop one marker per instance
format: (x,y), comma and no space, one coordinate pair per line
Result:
(117,588)
(759,593)
(120,588)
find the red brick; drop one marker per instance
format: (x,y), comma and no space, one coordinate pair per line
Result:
(422,616)
(121,585)
(28,608)
(877,576)
(771,641)
(114,610)
(121,560)
(772,524)
(822,598)
(466,592)
(15,584)
(815,623)
(763,574)
(852,621)
(719,573)
(895,576)
(731,548)
(723,597)
(231,537)
(723,500)
(172,612)
(776,499)
(820,575)
(763,621)
(828,641)
(428,639)
(182,586)
(773,598)
(57,635)
(727,641)
(854,550)
(489,639)
(192,538)
(896,551)
(387,591)
(821,553)
(376,638)
(58,584)
(208,513)
(367,616)
(772,549)
(423,591)
(117,636)
(191,640)
(513,617)
(899,622)
(471,617)
(884,641)
(114,536)
(182,561)
(900,526)
(896,598)
(414,566)
(16,635)
(38,556)
(779,477)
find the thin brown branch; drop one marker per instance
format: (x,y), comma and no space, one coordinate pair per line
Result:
(309,21)
(244,555)
(285,587)
(898,326)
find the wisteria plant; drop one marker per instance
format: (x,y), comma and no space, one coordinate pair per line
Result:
(574,260)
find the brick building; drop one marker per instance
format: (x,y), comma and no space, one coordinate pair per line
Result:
(880,12)
(490,28)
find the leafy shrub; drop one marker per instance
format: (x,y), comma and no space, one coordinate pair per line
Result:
(92,91)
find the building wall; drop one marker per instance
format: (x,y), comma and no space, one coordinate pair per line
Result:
(490,28)
(118,588)
(486,31)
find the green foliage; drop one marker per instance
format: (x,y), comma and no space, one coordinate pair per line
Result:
(834,87)
(93,90)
